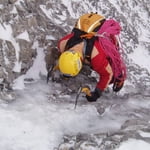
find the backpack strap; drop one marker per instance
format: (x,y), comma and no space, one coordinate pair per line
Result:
(79,36)
(75,39)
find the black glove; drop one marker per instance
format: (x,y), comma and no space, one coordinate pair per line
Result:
(118,85)
(94,95)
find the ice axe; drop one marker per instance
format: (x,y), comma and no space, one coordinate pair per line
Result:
(51,70)
(85,90)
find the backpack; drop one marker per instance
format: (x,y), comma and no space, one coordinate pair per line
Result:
(87,24)
(91,27)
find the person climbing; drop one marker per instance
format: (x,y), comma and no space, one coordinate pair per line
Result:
(93,41)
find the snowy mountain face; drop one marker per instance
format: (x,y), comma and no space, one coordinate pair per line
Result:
(27,25)
(30,30)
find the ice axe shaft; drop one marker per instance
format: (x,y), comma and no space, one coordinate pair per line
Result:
(85,90)
(77,97)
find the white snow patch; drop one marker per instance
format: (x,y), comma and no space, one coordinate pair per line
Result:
(1,6)
(14,11)
(133,144)
(144,134)
(24,36)
(39,65)
(49,14)
(6,34)
(17,66)
(36,71)
(141,57)
(19,83)
(50,37)
(18,2)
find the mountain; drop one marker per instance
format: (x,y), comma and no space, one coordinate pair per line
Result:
(30,30)
(27,25)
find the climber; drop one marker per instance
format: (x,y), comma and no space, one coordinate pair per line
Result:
(84,46)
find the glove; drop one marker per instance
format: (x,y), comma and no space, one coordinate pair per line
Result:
(94,95)
(118,85)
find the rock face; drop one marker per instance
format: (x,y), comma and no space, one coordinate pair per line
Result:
(29,26)
(25,23)
(133,128)
(99,141)
(28,21)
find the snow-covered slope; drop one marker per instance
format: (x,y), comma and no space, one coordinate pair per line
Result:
(28,27)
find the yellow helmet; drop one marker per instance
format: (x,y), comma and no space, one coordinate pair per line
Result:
(70,63)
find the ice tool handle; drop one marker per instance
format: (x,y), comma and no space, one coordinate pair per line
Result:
(86,90)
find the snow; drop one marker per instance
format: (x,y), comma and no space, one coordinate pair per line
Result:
(35,122)
(24,36)
(133,144)
(35,72)
(6,34)
(144,134)
(50,37)
(141,57)
(19,83)
(18,2)
(1,6)
(14,10)
(17,66)
(39,65)
(68,5)
(48,13)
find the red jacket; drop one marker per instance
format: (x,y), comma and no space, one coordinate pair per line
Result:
(99,63)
